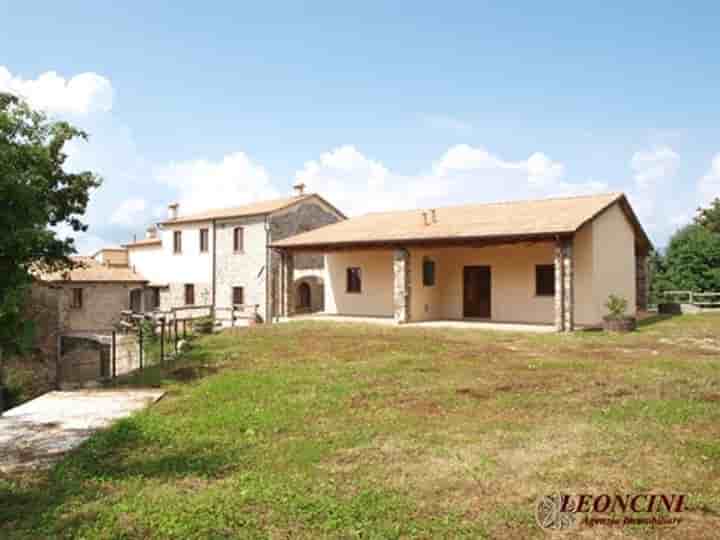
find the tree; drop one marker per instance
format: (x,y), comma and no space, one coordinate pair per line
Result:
(692,260)
(709,217)
(35,194)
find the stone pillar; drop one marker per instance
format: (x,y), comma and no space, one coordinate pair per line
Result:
(288,294)
(401,285)
(568,286)
(559,315)
(642,283)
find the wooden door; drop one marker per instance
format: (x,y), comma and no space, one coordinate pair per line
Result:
(477,292)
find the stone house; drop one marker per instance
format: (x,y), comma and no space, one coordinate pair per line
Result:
(84,302)
(548,262)
(222,257)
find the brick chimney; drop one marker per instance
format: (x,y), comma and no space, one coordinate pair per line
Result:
(151,232)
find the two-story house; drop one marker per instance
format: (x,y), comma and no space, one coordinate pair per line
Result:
(222,257)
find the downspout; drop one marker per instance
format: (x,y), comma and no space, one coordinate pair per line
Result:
(214,267)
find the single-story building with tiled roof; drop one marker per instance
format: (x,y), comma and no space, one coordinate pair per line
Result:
(552,261)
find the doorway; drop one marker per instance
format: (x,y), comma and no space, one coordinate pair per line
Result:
(304,297)
(477,288)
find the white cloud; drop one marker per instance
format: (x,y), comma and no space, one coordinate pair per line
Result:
(709,185)
(129,212)
(358,184)
(653,166)
(81,94)
(200,184)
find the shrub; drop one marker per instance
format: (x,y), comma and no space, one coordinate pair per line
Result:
(616,306)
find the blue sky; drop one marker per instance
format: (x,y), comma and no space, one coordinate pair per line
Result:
(376,105)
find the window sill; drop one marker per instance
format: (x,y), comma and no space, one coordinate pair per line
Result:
(353,292)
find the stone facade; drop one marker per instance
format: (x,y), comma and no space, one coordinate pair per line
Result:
(642,281)
(568,287)
(564,286)
(559,298)
(244,269)
(401,285)
(288,290)
(301,218)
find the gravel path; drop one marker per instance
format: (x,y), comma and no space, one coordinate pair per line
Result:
(39,432)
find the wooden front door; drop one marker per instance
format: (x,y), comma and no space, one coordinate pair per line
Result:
(476,292)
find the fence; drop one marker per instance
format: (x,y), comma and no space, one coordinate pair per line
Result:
(700,299)
(141,340)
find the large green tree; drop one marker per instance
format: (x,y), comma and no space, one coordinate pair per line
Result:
(709,217)
(692,260)
(36,193)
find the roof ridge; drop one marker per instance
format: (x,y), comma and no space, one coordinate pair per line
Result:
(615,194)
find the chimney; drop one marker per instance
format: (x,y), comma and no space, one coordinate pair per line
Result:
(299,189)
(173,210)
(434,217)
(151,232)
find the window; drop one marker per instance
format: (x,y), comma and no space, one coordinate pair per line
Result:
(354,280)
(177,242)
(238,296)
(189,295)
(156,297)
(238,239)
(204,240)
(77,299)
(428,272)
(545,280)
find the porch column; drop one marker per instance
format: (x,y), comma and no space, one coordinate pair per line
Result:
(559,314)
(569,286)
(642,283)
(564,286)
(288,294)
(401,285)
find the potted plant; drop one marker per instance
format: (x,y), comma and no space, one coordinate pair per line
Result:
(617,320)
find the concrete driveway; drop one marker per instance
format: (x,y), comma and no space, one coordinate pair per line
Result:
(39,432)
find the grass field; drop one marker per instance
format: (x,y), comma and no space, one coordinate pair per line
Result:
(310,430)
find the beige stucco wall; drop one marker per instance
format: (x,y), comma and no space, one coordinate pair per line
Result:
(613,260)
(604,264)
(376,298)
(512,270)
(513,282)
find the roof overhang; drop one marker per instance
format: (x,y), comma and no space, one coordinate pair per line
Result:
(455,241)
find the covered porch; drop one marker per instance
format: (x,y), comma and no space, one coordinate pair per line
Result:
(522,284)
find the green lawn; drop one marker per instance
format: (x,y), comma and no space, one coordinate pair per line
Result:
(310,430)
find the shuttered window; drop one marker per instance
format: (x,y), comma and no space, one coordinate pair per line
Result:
(238,296)
(428,272)
(77,299)
(545,280)
(238,239)
(204,235)
(354,280)
(189,295)
(177,242)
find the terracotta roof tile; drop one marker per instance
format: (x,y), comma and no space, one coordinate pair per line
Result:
(144,242)
(494,220)
(252,209)
(92,271)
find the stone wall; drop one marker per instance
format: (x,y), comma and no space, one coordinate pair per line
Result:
(642,282)
(102,304)
(303,217)
(401,285)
